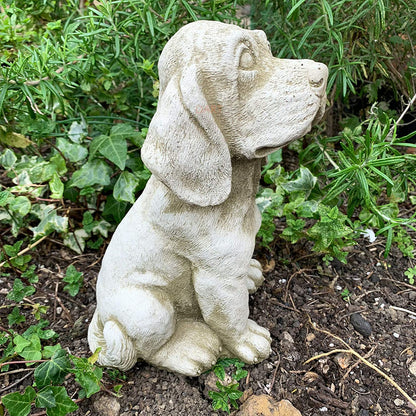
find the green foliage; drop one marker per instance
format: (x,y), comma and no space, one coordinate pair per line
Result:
(75,106)
(345,294)
(366,45)
(20,291)
(410,273)
(368,178)
(47,391)
(74,280)
(227,394)
(297,198)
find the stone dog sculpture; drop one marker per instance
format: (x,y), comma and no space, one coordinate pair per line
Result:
(174,284)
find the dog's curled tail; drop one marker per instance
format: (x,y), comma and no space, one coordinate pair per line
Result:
(117,348)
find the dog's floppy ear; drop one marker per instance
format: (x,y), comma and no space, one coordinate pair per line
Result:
(184,147)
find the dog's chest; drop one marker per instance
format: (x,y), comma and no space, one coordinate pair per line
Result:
(236,220)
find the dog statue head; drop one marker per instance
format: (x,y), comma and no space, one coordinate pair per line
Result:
(223,96)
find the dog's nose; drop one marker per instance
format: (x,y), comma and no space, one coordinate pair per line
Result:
(318,75)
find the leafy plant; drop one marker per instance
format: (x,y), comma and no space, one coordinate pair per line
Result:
(74,280)
(227,394)
(345,294)
(48,392)
(298,200)
(367,45)
(368,175)
(410,273)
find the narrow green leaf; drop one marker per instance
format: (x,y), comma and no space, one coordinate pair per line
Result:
(294,8)
(189,9)
(380,173)
(150,23)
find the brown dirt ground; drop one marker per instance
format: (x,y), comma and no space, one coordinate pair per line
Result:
(298,290)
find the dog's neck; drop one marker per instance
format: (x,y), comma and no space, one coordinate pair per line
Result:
(245,179)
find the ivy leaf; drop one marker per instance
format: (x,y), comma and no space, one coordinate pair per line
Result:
(219,371)
(19,404)
(126,131)
(15,317)
(63,404)
(74,280)
(115,209)
(125,187)
(50,222)
(13,250)
(21,205)
(30,274)
(87,375)
(59,163)
(20,291)
(8,159)
(305,182)
(113,147)
(95,172)
(31,351)
(72,151)
(39,331)
(12,139)
(54,370)
(50,350)
(45,398)
(56,186)
(77,131)
(38,310)
(76,240)
(4,197)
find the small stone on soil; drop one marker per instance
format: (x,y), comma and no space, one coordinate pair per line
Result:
(107,405)
(412,368)
(361,325)
(266,406)
(399,402)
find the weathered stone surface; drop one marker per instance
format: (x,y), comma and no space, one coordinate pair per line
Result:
(174,283)
(264,405)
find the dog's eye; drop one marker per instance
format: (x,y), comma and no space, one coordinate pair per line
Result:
(246,59)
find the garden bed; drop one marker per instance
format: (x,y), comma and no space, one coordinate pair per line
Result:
(298,290)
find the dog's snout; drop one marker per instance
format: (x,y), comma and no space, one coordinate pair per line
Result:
(318,74)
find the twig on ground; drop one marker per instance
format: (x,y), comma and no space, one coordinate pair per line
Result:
(277,365)
(351,351)
(20,370)
(403,310)
(55,300)
(16,382)
(21,362)
(300,271)
(65,310)
(368,355)
(29,247)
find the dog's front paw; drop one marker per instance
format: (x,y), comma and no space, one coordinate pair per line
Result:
(254,344)
(254,276)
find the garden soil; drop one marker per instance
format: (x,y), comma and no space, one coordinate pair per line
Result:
(306,305)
